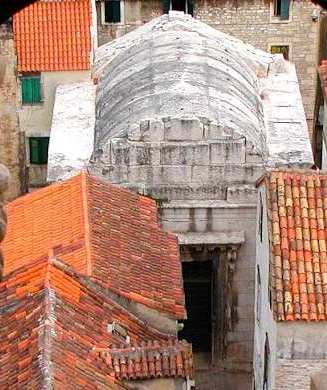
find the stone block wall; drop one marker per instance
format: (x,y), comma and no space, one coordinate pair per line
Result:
(252,22)
(12,143)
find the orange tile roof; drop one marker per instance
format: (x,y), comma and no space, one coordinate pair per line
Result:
(53,35)
(47,307)
(103,231)
(297,215)
(156,359)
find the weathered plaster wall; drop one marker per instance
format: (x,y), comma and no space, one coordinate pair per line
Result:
(4,178)
(301,352)
(264,322)
(35,120)
(12,149)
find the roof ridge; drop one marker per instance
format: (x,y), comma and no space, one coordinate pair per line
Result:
(85,195)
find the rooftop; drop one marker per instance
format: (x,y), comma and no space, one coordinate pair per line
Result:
(53,35)
(297,209)
(100,230)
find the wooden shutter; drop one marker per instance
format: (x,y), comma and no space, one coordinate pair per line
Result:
(285,9)
(39,150)
(190,7)
(31,89)
(112,11)
(165,6)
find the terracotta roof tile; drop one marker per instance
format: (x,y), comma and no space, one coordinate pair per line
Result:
(153,359)
(49,307)
(297,214)
(100,230)
(53,35)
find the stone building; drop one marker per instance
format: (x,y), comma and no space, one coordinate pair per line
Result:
(295,28)
(191,117)
(12,142)
(54,42)
(81,311)
(291,281)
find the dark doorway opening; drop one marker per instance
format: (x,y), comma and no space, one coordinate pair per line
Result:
(197,277)
(178,5)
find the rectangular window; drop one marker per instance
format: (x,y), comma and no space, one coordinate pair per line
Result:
(282,9)
(39,150)
(178,5)
(112,12)
(258,308)
(31,89)
(281,49)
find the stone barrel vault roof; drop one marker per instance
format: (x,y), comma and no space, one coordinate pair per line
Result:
(297,215)
(53,35)
(177,66)
(103,231)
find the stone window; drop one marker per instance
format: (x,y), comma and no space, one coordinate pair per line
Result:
(112,11)
(258,293)
(178,5)
(282,9)
(260,230)
(39,150)
(281,49)
(31,88)
(266,364)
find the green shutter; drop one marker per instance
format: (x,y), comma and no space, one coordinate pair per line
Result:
(112,11)
(39,150)
(31,89)
(190,7)
(285,9)
(165,6)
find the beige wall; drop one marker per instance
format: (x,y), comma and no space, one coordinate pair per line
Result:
(12,150)
(250,21)
(35,120)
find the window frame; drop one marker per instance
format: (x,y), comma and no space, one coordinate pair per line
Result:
(28,76)
(277,18)
(282,45)
(39,161)
(189,6)
(122,13)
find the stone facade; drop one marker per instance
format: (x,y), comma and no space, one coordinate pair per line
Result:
(252,22)
(12,149)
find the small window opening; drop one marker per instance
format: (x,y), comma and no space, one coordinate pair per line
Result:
(258,308)
(197,329)
(31,88)
(112,12)
(281,49)
(282,9)
(39,150)
(261,219)
(178,5)
(266,364)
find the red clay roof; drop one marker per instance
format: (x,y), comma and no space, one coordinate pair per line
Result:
(52,319)
(53,35)
(297,215)
(103,231)
(156,359)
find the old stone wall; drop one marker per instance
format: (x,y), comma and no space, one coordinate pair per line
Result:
(301,352)
(12,150)
(253,23)
(295,374)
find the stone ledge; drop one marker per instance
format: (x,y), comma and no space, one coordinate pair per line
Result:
(221,238)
